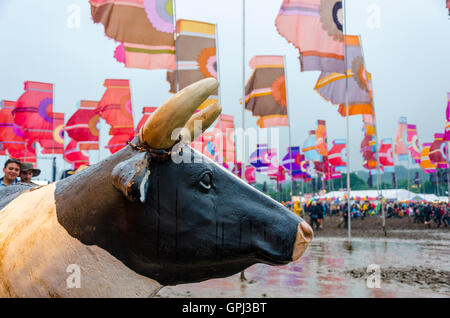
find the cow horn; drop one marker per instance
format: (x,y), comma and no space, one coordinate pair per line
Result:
(157,131)
(207,116)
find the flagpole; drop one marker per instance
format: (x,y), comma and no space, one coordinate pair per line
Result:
(222,143)
(347,122)
(289,126)
(242,277)
(380,193)
(174,8)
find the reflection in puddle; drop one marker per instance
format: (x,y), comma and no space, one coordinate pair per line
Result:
(321,272)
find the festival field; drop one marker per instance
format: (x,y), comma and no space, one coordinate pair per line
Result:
(413,262)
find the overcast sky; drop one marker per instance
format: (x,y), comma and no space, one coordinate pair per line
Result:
(406,46)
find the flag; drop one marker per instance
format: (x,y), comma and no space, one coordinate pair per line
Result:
(321,138)
(237,169)
(386,155)
(117,142)
(250,174)
(56,144)
(309,147)
(265,92)
(292,161)
(425,162)
(332,86)
(144,29)
(12,136)
(75,156)
(439,152)
(413,143)
(196,57)
(447,119)
(33,112)
(315,28)
(262,158)
(224,139)
(116,109)
(401,140)
(146,112)
(337,155)
(82,125)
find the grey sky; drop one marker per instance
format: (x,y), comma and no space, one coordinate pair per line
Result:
(406,45)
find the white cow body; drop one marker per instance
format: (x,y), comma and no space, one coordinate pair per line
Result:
(36,253)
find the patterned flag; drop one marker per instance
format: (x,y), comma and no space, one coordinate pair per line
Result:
(33,112)
(337,155)
(237,169)
(292,161)
(321,138)
(56,144)
(309,147)
(438,151)
(144,29)
(447,119)
(196,54)
(332,86)
(413,143)
(425,162)
(75,156)
(12,137)
(401,140)
(262,158)
(265,92)
(315,28)
(146,112)
(250,174)
(116,109)
(386,155)
(224,139)
(368,144)
(82,125)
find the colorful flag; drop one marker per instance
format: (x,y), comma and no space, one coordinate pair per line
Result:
(413,143)
(75,156)
(146,112)
(33,112)
(262,158)
(447,119)
(115,107)
(250,174)
(401,140)
(332,86)
(56,144)
(265,92)
(196,57)
(144,29)
(292,161)
(425,162)
(237,169)
(82,125)
(117,142)
(309,147)
(315,28)
(439,151)
(386,155)
(337,155)
(321,138)
(224,139)
(12,137)
(448,6)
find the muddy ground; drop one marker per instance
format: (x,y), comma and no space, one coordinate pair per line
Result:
(371,227)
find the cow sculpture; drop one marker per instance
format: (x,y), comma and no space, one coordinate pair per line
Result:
(155,213)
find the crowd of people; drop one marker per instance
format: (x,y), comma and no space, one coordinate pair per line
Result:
(420,212)
(15,172)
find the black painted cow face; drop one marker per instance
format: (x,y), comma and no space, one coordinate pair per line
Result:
(199,221)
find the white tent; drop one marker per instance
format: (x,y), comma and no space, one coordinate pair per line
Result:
(391,194)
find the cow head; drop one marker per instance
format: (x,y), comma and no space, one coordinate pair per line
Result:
(179,217)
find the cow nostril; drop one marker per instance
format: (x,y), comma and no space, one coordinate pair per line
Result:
(304,237)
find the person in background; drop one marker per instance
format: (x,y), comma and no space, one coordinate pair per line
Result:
(27,171)
(11,171)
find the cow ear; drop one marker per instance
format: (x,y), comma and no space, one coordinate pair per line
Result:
(131,177)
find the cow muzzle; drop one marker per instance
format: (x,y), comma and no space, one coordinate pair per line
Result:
(304,237)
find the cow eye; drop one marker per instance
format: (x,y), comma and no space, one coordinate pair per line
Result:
(206,180)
